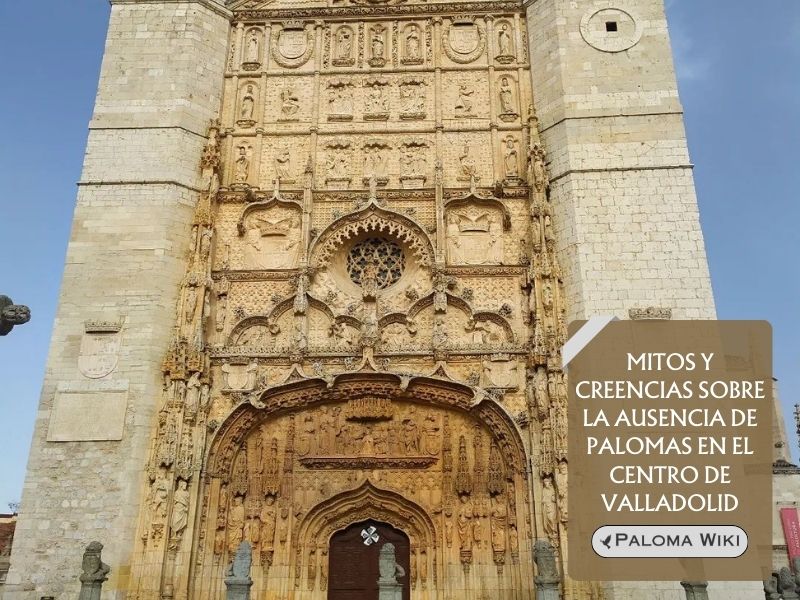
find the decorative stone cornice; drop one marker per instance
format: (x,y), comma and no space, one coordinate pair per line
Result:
(380,10)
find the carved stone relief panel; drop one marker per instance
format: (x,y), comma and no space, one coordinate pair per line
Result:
(466,95)
(376,99)
(474,235)
(248,298)
(463,159)
(293,44)
(413,97)
(340,104)
(344,46)
(247,115)
(337,168)
(464,39)
(289,99)
(269,239)
(413,44)
(508,98)
(378,50)
(505,43)
(99,352)
(252,52)
(284,157)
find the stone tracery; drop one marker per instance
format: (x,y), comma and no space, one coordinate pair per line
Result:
(418,355)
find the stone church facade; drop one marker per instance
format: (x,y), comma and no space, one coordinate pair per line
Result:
(322,262)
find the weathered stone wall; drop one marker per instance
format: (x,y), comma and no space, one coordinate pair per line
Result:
(160,84)
(626,217)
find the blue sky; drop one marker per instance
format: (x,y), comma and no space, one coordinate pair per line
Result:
(739,72)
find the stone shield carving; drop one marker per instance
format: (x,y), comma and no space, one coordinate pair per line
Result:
(464,40)
(99,353)
(292,47)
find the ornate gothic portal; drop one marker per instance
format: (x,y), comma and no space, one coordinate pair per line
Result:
(369,327)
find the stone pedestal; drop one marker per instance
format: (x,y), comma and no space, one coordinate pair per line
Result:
(237,577)
(547,590)
(389,590)
(695,590)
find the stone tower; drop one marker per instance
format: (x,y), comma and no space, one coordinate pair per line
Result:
(321,267)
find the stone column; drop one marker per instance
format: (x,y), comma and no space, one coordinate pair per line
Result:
(237,577)
(547,579)
(695,590)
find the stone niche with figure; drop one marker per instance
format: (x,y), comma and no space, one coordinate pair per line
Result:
(475,228)
(269,235)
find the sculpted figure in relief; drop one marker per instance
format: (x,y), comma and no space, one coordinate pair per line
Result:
(180,510)
(242,167)
(464,522)
(268,521)
(290,103)
(283,161)
(504,41)
(248,104)
(561,490)
(344,44)
(463,105)
(378,43)
(236,518)
(253,44)
(160,494)
(499,519)
(412,43)
(511,158)
(506,94)
(549,517)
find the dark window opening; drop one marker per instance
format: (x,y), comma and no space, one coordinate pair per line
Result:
(611,26)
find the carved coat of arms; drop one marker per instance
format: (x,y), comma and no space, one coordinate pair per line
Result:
(292,43)
(99,352)
(464,37)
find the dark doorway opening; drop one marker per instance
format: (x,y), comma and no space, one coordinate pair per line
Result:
(353,555)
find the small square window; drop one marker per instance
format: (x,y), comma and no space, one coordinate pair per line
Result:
(611,26)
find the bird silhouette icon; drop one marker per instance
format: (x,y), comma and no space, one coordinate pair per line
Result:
(607,542)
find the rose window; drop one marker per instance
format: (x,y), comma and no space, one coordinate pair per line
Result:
(382,259)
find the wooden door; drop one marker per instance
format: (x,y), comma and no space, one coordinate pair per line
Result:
(353,555)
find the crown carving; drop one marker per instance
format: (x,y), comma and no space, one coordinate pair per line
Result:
(463,20)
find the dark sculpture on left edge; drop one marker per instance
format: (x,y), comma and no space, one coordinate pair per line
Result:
(12,314)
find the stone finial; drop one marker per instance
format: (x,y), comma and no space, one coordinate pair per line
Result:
(12,314)
(95,572)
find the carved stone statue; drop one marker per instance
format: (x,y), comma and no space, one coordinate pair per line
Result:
(412,43)
(180,510)
(549,516)
(236,518)
(253,45)
(242,169)
(511,159)
(464,524)
(237,576)
(12,314)
(283,161)
(344,44)
(388,567)
(95,572)
(561,490)
(377,43)
(463,105)
(506,94)
(786,584)
(290,103)
(248,104)
(504,41)
(771,588)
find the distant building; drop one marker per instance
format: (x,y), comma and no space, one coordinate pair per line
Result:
(7,525)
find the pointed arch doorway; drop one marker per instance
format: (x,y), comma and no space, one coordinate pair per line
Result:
(354,561)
